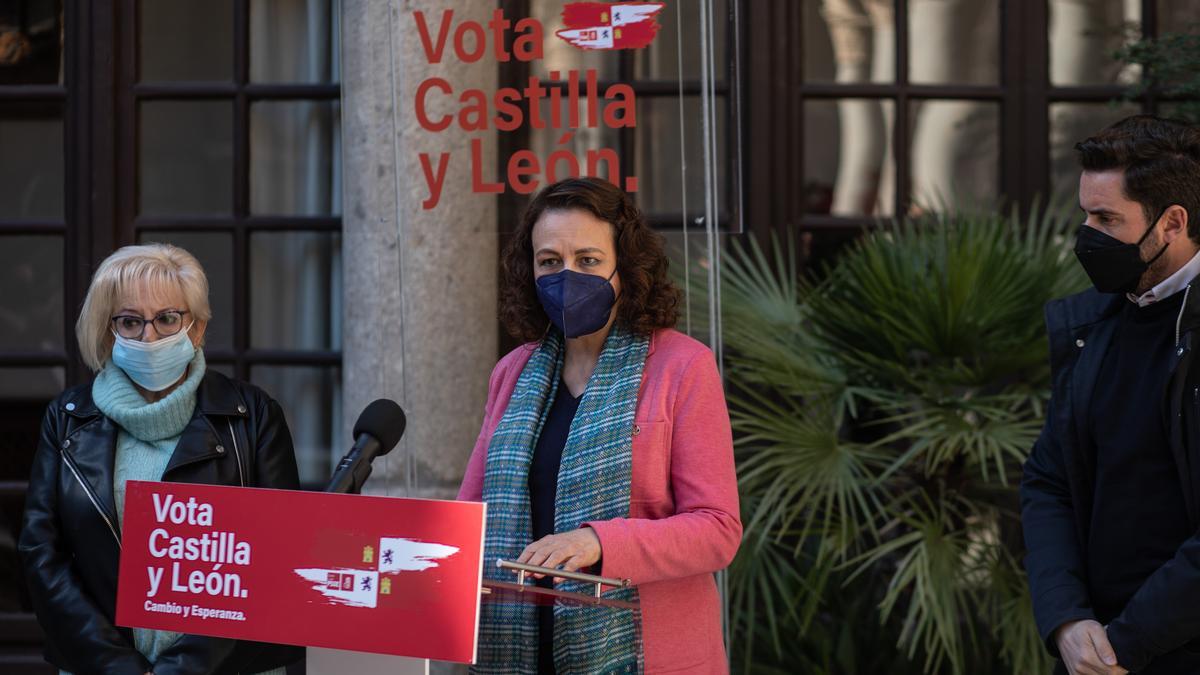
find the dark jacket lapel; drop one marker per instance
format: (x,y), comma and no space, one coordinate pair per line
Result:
(90,441)
(1079,331)
(216,399)
(1180,411)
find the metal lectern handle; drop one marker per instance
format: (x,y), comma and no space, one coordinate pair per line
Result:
(524,570)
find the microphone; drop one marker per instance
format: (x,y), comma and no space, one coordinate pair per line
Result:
(376,432)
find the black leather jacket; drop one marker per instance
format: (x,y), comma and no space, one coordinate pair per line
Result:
(70,539)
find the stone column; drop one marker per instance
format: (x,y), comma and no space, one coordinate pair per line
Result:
(420,285)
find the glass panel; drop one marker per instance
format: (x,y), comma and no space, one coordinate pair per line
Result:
(185,40)
(295,290)
(31,165)
(665,142)
(225,369)
(690,254)
(562,56)
(955,152)
(1179,30)
(1083,37)
(848,162)
(848,40)
(214,250)
(311,399)
(581,142)
(31,299)
(1071,123)
(1178,16)
(31,384)
(186,157)
(294,41)
(680,35)
(31,42)
(295,158)
(954,41)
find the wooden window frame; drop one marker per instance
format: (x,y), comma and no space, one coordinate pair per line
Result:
(776,94)
(241,224)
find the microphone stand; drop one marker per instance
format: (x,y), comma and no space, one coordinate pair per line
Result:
(354,469)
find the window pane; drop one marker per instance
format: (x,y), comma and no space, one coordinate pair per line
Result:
(186,40)
(1071,123)
(31,293)
(214,250)
(848,163)
(31,384)
(1083,37)
(186,157)
(680,33)
(225,369)
(295,290)
(31,164)
(561,55)
(1178,16)
(31,42)
(659,161)
(954,41)
(294,40)
(580,141)
(311,399)
(295,158)
(847,40)
(955,152)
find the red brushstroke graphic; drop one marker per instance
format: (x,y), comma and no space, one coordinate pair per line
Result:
(603,25)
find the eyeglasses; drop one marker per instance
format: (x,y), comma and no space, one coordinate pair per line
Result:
(166,324)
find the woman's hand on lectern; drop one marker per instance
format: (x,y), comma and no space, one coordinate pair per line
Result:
(569,551)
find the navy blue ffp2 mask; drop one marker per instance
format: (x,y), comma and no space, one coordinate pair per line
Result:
(579,304)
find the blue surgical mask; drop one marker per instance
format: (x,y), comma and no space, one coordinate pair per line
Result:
(579,304)
(154,366)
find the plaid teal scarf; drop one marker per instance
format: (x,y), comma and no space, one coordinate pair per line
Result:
(593,485)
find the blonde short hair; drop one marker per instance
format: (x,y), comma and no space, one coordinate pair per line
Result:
(127,269)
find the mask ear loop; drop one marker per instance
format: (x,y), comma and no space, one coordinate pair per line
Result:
(609,280)
(1147,234)
(546,332)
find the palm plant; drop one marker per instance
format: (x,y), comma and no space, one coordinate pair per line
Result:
(881,417)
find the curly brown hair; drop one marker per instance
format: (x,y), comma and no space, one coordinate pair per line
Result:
(649,301)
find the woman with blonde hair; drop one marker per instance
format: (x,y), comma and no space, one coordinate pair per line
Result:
(153,412)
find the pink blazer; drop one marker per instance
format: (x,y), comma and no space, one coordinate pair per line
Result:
(684,522)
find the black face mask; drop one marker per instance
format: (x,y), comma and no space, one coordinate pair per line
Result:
(1111,264)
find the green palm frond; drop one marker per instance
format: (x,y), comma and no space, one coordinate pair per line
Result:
(933,556)
(881,415)
(992,433)
(809,480)
(955,299)
(1010,606)
(777,593)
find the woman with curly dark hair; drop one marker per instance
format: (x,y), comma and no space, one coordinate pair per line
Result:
(605,447)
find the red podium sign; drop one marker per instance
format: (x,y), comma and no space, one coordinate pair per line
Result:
(371,574)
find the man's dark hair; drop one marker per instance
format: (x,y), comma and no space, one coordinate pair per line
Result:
(1161,161)
(649,301)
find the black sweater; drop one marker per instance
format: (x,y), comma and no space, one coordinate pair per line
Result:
(543,489)
(1139,518)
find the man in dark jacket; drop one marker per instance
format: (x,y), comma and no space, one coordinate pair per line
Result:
(1111,492)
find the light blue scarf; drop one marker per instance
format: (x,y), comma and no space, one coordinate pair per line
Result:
(593,485)
(146,439)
